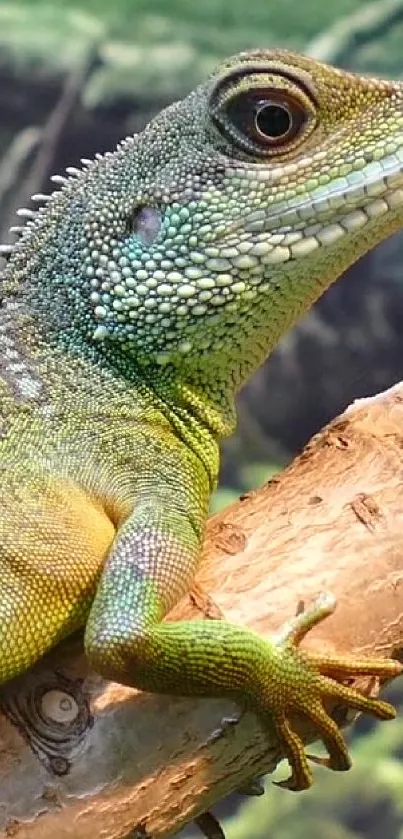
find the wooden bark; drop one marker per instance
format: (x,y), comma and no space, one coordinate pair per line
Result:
(81,757)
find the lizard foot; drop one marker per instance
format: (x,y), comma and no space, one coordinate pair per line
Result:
(301,681)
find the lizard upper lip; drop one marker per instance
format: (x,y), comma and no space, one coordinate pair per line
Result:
(358,189)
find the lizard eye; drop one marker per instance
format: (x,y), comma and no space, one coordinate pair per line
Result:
(262,120)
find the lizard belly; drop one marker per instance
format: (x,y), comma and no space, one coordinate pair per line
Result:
(54,538)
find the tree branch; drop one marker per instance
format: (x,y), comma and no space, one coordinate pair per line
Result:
(81,757)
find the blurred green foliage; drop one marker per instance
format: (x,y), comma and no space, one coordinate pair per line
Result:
(163,48)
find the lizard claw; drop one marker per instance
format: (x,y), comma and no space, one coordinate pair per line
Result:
(301,683)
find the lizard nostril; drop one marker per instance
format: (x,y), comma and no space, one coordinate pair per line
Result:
(145,222)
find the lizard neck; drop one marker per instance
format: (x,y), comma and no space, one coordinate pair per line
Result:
(39,371)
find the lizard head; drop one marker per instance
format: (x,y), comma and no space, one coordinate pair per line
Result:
(198,242)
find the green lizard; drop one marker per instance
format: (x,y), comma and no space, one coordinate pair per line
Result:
(137,301)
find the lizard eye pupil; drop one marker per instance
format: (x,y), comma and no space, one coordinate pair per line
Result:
(272,120)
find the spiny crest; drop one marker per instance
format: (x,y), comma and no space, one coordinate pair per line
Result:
(40,198)
(29,216)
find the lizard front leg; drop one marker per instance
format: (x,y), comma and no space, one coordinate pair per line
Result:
(150,567)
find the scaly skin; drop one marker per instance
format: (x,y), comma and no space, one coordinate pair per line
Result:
(137,301)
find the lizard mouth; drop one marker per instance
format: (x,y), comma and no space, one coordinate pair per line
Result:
(342,206)
(366,189)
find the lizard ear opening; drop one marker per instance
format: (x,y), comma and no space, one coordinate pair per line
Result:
(145,223)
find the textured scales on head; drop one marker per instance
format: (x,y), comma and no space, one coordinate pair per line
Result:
(198,242)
